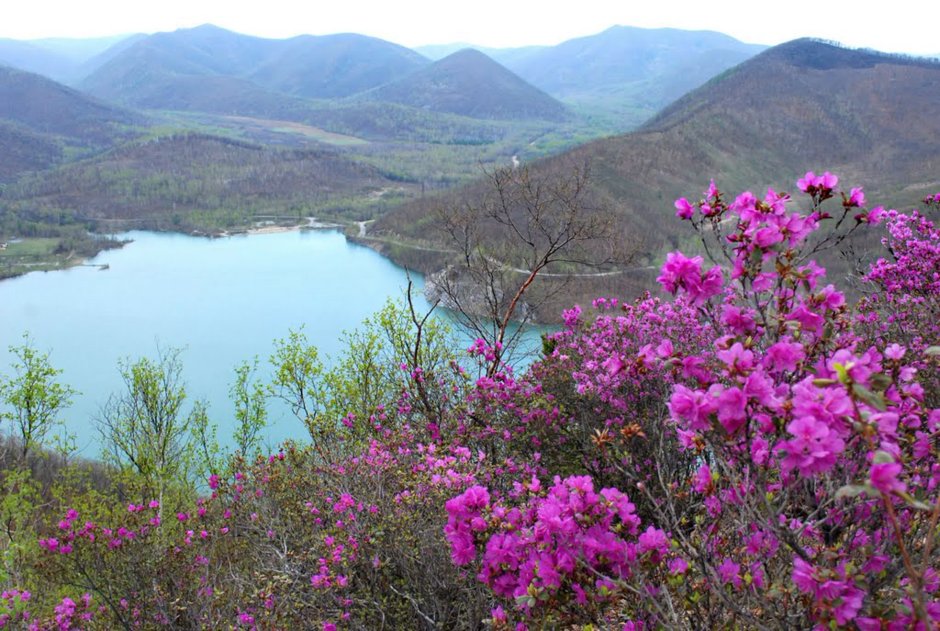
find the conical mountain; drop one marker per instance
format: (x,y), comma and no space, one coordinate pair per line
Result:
(471,84)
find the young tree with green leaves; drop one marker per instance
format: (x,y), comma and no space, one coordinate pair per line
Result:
(144,426)
(32,397)
(250,398)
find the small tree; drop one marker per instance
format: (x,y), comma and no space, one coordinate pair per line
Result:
(525,226)
(251,411)
(298,380)
(33,396)
(144,426)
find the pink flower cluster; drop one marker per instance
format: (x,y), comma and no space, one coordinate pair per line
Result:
(565,544)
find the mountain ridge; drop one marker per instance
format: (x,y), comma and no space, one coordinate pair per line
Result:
(872,118)
(41,118)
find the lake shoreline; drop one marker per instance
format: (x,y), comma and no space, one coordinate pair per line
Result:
(55,263)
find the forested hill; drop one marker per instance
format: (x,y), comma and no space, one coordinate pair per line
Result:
(40,119)
(872,118)
(471,84)
(200,182)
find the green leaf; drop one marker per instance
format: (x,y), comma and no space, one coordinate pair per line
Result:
(842,372)
(932,351)
(880,382)
(876,400)
(851,490)
(914,502)
(882,457)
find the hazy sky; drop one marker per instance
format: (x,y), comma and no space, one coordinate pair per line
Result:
(899,26)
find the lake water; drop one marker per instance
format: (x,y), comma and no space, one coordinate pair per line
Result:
(221,300)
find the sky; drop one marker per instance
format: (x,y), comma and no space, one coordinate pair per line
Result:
(906,26)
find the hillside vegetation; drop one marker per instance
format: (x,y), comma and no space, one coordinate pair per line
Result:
(873,117)
(191,181)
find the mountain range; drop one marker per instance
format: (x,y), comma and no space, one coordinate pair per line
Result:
(872,118)
(630,71)
(625,73)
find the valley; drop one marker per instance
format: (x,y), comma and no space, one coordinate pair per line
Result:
(204,130)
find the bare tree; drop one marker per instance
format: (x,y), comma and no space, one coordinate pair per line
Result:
(526,226)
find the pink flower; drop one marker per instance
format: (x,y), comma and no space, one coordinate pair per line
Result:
(613,365)
(712,190)
(876,215)
(678,566)
(702,480)
(729,572)
(737,319)
(737,357)
(684,210)
(653,540)
(827,181)
(806,182)
(783,356)
(813,448)
(731,409)
(856,198)
(677,269)
(803,575)
(692,406)
(884,477)
(895,352)
(681,272)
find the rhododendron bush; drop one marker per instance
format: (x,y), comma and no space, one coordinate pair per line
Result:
(751,450)
(813,494)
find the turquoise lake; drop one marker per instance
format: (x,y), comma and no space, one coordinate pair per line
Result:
(221,300)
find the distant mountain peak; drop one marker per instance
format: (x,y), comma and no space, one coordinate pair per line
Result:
(205,28)
(470,83)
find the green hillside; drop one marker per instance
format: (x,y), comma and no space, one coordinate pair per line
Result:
(199,182)
(24,151)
